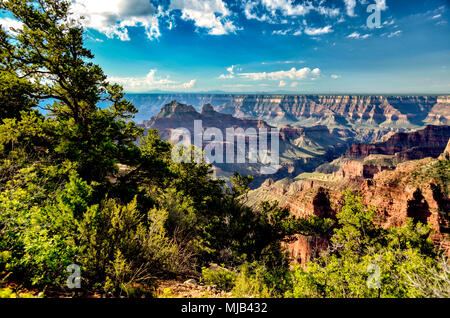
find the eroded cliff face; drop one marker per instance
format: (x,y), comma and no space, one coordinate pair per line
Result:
(429,142)
(371,117)
(417,189)
(300,148)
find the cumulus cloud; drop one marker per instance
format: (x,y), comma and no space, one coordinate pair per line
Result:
(114,17)
(250,11)
(334,76)
(208,14)
(282,84)
(8,24)
(350,7)
(287,7)
(381,5)
(272,10)
(318,31)
(292,74)
(151,82)
(230,71)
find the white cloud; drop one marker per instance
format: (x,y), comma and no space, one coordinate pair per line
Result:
(281,32)
(114,17)
(230,74)
(356,35)
(394,34)
(318,31)
(437,16)
(208,14)
(271,10)
(8,23)
(334,76)
(189,84)
(331,12)
(282,84)
(350,7)
(287,7)
(292,74)
(381,5)
(250,14)
(150,82)
(294,84)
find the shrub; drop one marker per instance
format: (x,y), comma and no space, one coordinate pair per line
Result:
(218,276)
(367,261)
(251,282)
(124,248)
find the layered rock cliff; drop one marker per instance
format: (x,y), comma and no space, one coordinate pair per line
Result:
(301,149)
(371,117)
(418,189)
(429,142)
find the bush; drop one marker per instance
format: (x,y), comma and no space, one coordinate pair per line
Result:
(124,248)
(36,240)
(251,282)
(218,276)
(9,293)
(366,261)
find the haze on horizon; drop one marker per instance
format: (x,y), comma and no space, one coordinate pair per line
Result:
(269,46)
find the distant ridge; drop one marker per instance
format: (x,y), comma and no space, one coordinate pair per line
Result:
(371,117)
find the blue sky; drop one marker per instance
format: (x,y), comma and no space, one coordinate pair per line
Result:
(289,46)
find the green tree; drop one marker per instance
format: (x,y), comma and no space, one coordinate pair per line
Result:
(365,260)
(55,70)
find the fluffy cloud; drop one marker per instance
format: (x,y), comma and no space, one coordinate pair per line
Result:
(8,23)
(318,31)
(381,5)
(150,82)
(208,14)
(113,17)
(350,7)
(334,76)
(282,84)
(230,71)
(356,35)
(287,7)
(251,14)
(268,10)
(292,74)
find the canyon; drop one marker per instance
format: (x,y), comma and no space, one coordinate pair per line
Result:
(301,149)
(398,188)
(393,151)
(369,118)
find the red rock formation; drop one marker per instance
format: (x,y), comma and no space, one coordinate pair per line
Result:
(393,112)
(429,142)
(413,190)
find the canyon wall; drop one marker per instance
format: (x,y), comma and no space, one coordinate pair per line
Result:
(429,142)
(367,114)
